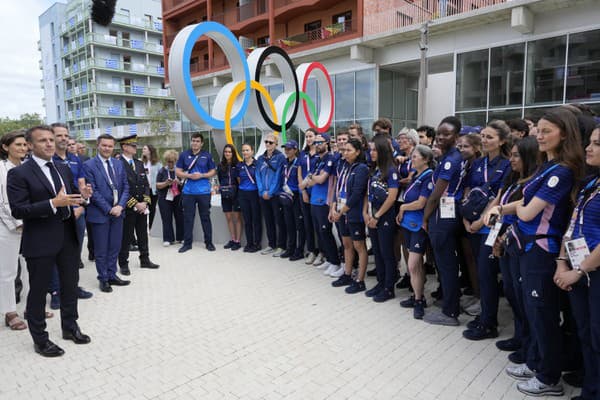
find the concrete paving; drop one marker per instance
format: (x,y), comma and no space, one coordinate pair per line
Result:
(232,325)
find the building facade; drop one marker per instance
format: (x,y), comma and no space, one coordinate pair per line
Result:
(109,79)
(486,59)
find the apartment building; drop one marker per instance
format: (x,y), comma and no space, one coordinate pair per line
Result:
(107,79)
(485,58)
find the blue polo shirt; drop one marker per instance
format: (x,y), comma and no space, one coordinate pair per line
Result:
(507,193)
(318,195)
(203,165)
(290,174)
(247,175)
(421,185)
(378,189)
(449,169)
(74,164)
(590,229)
(553,186)
(357,179)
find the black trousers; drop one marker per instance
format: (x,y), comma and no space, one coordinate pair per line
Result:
(152,208)
(40,272)
(274,222)
(170,210)
(133,221)
(90,239)
(250,206)
(294,223)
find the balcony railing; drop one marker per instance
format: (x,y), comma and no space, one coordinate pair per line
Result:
(417,12)
(317,35)
(251,9)
(133,44)
(283,3)
(117,65)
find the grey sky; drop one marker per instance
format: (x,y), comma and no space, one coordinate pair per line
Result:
(20,90)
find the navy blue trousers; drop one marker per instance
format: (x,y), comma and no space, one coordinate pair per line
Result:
(274,222)
(542,310)
(169,211)
(309,228)
(190,202)
(487,276)
(323,227)
(585,303)
(107,244)
(443,234)
(294,223)
(382,241)
(511,279)
(250,207)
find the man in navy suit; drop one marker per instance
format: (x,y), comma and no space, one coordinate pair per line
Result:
(43,194)
(106,210)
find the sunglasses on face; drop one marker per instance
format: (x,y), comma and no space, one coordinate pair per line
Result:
(319,142)
(269,142)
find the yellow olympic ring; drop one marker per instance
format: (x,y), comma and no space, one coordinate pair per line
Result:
(239,88)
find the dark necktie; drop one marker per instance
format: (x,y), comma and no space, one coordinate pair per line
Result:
(64,212)
(131,164)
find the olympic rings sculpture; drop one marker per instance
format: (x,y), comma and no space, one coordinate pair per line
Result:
(230,108)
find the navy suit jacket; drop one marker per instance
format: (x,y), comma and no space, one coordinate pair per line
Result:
(102,198)
(29,193)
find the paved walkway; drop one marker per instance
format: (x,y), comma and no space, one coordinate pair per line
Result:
(231,325)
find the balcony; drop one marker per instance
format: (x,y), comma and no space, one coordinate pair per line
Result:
(137,22)
(133,44)
(131,90)
(426,10)
(120,112)
(114,65)
(251,9)
(319,36)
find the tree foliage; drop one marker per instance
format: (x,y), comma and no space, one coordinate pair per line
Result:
(23,122)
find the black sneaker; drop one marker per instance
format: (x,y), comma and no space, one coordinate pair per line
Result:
(184,248)
(517,357)
(474,323)
(419,309)
(481,332)
(236,246)
(408,303)
(286,254)
(343,280)
(383,296)
(254,248)
(512,344)
(404,282)
(229,244)
(372,272)
(355,287)
(296,257)
(210,247)
(247,249)
(374,290)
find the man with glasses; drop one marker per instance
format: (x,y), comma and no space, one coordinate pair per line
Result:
(269,181)
(195,167)
(136,212)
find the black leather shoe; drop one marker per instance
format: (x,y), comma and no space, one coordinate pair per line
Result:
(296,257)
(48,349)
(116,281)
(76,336)
(105,287)
(512,344)
(184,248)
(83,294)
(146,263)
(210,247)
(125,270)
(286,254)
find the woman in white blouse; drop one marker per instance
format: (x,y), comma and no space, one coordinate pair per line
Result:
(13,149)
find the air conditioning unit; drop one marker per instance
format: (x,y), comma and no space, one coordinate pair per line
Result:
(245,42)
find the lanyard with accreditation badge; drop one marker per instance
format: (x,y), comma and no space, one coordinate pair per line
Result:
(342,186)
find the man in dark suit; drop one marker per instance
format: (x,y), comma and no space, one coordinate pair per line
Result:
(106,210)
(137,207)
(43,194)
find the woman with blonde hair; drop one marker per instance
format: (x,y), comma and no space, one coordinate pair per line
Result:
(169,200)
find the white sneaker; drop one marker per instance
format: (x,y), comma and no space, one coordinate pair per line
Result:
(325,265)
(166,244)
(320,259)
(310,258)
(520,372)
(473,309)
(278,252)
(268,250)
(338,272)
(330,269)
(533,387)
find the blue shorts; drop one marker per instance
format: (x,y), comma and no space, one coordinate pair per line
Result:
(356,230)
(415,242)
(230,205)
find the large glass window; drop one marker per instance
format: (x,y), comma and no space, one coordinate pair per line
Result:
(583,78)
(545,70)
(344,96)
(471,80)
(506,75)
(472,118)
(365,90)
(504,115)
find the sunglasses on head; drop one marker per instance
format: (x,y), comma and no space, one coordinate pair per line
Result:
(269,142)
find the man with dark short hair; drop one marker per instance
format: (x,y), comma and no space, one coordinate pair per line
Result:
(43,194)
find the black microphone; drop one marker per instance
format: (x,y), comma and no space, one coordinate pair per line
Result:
(103,11)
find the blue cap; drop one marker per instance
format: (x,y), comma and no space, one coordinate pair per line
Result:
(466,130)
(291,144)
(325,136)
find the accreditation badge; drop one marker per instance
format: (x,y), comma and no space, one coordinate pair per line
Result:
(169,196)
(577,250)
(447,207)
(341,203)
(493,235)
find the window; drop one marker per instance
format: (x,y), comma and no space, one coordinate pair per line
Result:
(311,26)
(262,41)
(342,18)
(545,70)
(58,116)
(52,28)
(583,66)
(506,75)
(344,96)
(471,80)
(365,87)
